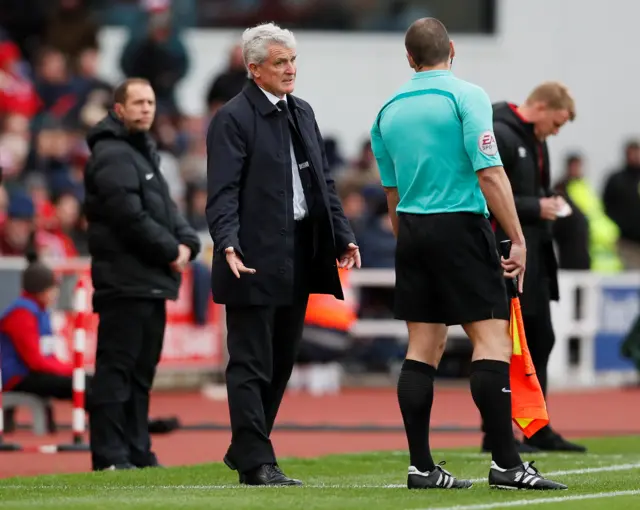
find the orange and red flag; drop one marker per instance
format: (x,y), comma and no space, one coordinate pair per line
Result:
(528,407)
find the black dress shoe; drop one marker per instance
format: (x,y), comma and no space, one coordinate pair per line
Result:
(548,440)
(150,460)
(229,463)
(156,465)
(268,474)
(163,425)
(525,448)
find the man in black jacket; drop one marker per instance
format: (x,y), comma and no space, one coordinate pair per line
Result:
(139,244)
(279,231)
(621,200)
(571,233)
(521,133)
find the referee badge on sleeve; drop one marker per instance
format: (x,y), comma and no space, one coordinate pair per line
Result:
(487,143)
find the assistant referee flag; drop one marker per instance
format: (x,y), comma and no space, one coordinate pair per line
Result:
(528,407)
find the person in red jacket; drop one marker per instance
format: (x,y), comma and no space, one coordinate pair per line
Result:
(25,327)
(26,366)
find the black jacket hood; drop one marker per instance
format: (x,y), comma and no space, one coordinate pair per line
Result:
(503,113)
(109,127)
(112,128)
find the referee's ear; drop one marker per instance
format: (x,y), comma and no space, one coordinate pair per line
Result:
(452,51)
(412,63)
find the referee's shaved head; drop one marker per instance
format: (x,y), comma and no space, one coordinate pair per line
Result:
(427,42)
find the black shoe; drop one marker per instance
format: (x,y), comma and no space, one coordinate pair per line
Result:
(520,446)
(150,460)
(525,448)
(229,463)
(551,441)
(437,478)
(144,466)
(524,477)
(268,474)
(117,467)
(163,425)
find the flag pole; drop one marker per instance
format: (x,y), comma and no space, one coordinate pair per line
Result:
(505,251)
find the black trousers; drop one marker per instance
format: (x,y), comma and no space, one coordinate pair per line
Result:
(52,386)
(130,337)
(263,344)
(540,337)
(60,387)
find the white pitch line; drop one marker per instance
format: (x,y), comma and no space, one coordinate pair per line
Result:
(541,501)
(602,469)
(584,471)
(548,455)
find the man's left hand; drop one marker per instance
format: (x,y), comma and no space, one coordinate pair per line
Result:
(350,258)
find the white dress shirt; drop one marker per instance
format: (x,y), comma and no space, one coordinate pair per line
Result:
(300,209)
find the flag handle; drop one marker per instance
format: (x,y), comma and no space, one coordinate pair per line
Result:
(505,251)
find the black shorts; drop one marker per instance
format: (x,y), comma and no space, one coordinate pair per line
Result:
(448,270)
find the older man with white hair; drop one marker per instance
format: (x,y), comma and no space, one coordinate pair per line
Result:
(279,234)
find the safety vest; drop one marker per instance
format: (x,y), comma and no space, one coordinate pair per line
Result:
(10,360)
(325,311)
(603,232)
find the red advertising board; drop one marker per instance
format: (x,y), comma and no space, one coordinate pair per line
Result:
(186,344)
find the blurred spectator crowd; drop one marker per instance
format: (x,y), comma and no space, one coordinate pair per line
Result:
(462,16)
(50,95)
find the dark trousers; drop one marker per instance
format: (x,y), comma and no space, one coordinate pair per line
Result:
(541,338)
(52,386)
(263,345)
(46,385)
(130,337)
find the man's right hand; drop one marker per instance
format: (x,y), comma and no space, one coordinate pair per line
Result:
(236,264)
(515,265)
(549,208)
(184,255)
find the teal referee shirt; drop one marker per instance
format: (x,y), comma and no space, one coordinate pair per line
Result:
(430,138)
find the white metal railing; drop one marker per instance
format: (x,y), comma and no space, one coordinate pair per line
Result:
(608,306)
(585,334)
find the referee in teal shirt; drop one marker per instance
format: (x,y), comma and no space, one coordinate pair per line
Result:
(440,167)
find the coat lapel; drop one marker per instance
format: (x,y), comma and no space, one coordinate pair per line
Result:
(308,133)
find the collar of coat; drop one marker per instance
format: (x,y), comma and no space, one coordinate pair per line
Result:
(262,103)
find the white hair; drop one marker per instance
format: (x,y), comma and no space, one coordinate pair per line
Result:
(256,42)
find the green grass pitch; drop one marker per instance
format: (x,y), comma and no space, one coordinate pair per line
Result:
(607,477)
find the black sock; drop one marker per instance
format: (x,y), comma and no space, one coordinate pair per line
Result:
(415,396)
(488,380)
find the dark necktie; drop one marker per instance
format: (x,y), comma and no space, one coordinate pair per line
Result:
(304,166)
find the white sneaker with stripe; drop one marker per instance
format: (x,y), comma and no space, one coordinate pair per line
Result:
(437,478)
(525,477)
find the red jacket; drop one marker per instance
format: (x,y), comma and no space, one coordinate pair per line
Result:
(21,326)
